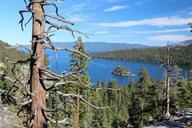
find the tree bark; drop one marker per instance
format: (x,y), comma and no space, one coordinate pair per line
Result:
(37,116)
(142,107)
(78,111)
(167,87)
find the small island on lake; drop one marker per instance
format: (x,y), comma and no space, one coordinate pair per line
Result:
(122,71)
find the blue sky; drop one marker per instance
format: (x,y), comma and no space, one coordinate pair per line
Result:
(149,22)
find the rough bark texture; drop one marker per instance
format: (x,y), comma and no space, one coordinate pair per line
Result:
(142,108)
(37,116)
(167,87)
(78,111)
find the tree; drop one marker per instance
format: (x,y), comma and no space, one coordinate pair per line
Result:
(135,105)
(145,82)
(184,94)
(79,64)
(176,75)
(166,114)
(42,81)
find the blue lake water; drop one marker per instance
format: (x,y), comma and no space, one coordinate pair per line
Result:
(100,70)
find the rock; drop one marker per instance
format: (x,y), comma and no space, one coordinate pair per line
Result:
(188,111)
(179,120)
(129,126)
(9,119)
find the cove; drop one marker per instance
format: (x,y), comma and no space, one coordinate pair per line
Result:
(100,69)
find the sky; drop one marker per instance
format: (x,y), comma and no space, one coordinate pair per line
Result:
(148,22)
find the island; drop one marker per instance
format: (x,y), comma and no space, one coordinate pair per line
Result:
(122,71)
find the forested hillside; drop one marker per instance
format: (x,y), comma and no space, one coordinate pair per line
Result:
(93,47)
(181,55)
(12,54)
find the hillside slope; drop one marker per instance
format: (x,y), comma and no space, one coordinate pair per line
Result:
(12,54)
(94,47)
(181,55)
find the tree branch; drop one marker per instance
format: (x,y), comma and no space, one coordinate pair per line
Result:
(66,28)
(59,19)
(75,95)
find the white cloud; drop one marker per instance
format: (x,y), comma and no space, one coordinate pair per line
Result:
(115,8)
(161,21)
(171,38)
(162,31)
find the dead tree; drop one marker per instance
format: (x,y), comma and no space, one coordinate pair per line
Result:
(166,114)
(78,111)
(35,88)
(38,117)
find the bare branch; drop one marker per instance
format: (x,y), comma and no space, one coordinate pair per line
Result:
(28,20)
(66,28)
(65,121)
(81,82)
(22,17)
(26,102)
(59,19)
(68,49)
(4,76)
(97,89)
(81,97)
(25,2)
(46,71)
(52,4)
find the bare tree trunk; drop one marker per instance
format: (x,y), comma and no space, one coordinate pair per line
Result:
(167,87)
(142,108)
(37,116)
(78,111)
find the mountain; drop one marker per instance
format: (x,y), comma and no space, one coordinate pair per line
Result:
(183,43)
(93,47)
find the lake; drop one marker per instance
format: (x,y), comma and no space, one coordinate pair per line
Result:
(100,70)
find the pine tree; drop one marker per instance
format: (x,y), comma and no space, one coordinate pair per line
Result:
(134,107)
(145,82)
(176,75)
(79,64)
(184,94)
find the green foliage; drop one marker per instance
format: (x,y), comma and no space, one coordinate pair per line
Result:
(12,55)
(140,103)
(78,61)
(69,108)
(176,74)
(121,71)
(184,94)
(180,55)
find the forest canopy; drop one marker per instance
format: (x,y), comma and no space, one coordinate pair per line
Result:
(180,55)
